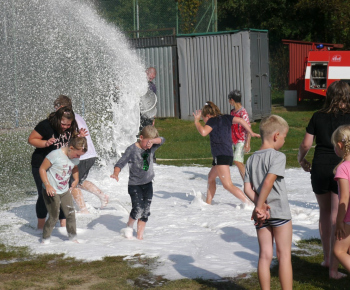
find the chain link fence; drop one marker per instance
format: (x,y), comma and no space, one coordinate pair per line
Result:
(145,18)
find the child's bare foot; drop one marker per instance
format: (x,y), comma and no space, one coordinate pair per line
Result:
(46,241)
(127,232)
(84,211)
(325,264)
(104,201)
(337,275)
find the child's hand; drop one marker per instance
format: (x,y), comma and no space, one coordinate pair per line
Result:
(340,231)
(255,135)
(115,176)
(83,132)
(149,144)
(50,190)
(197,115)
(50,142)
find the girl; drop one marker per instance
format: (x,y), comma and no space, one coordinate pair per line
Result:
(50,134)
(341,142)
(55,172)
(218,126)
(335,112)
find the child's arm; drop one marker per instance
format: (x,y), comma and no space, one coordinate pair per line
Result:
(244,124)
(43,175)
(260,206)
(204,131)
(253,196)
(157,140)
(75,174)
(116,172)
(36,140)
(343,185)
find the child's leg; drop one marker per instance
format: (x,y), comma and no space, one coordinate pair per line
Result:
(79,199)
(265,239)
(211,184)
(68,210)
(53,207)
(141,225)
(283,238)
(90,187)
(130,222)
(223,171)
(241,168)
(341,249)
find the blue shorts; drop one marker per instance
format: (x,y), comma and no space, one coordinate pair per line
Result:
(274,223)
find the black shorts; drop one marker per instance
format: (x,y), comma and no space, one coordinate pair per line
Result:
(84,167)
(322,179)
(223,160)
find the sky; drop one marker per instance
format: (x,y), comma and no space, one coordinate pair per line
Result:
(190,238)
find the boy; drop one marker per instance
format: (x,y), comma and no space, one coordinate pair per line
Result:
(240,137)
(139,156)
(264,182)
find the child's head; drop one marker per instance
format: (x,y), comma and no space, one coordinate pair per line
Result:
(236,96)
(272,124)
(63,120)
(210,109)
(337,98)
(77,147)
(341,140)
(62,101)
(147,133)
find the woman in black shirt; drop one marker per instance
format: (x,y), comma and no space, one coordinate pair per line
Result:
(336,112)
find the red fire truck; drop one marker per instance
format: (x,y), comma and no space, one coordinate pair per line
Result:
(323,67)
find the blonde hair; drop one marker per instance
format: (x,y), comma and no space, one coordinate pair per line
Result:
(149,132)
(342,134)
(79,143)
(210,109)
(272,124)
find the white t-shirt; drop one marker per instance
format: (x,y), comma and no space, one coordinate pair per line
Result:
(91,149)
(60,171)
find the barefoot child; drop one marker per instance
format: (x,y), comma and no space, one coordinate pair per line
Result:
(55,172)
(341,142)
(139,156)
(240,136)
(264,184)
(218,127)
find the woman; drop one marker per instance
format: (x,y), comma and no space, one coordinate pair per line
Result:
(335,112)
(50,134)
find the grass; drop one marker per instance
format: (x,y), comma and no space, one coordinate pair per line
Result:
(20,269)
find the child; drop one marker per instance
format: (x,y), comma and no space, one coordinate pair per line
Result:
(139,156)
(341,142)
(240,137)
(85,162)
(264,182)
(218,127)
(55,172)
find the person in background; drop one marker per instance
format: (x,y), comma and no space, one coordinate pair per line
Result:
(85,164)
(48,135)
(151,75)
(240,137)
(335,112)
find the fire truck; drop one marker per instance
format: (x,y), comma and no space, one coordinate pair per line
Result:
(323,67)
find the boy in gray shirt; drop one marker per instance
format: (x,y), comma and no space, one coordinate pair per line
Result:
(139,156)
(264,184)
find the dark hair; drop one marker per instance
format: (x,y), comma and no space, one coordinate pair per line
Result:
(63,101)
(337,99)
(210,109)
(79,143)
(235,95)
(56,117)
